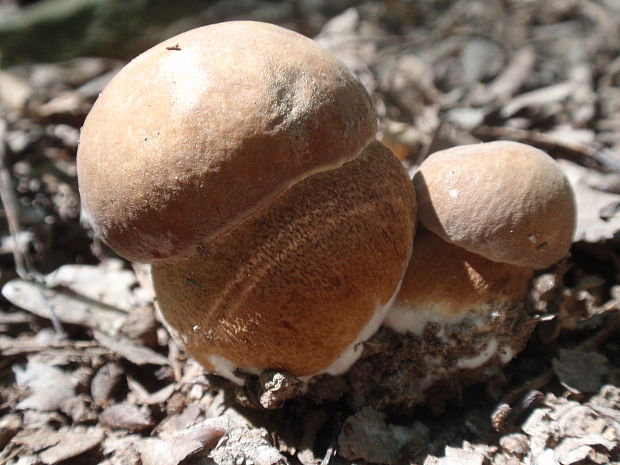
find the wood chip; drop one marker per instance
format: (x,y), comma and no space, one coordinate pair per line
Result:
(10,424)
(186,443)
(105,383)
(137,354)
(72,445)
(38,440)
(127,417)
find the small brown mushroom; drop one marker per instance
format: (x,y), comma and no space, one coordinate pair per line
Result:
(490,214)
(506,201)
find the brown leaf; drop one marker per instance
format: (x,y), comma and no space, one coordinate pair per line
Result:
(127,417)
(106,382)
(10,424)
(78,409)
(591,227)
(186,443)
(574,450)
(581,371)
(38,440)
(175,423)
(72,445)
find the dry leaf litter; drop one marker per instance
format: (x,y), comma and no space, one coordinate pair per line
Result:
(88,373)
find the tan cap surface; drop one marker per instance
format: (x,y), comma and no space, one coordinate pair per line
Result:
(506,201)
(453,281)
(294,285)
(207,127)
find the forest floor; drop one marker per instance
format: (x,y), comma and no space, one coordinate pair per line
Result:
(89,375)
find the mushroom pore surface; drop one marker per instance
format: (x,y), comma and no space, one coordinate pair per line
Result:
(295,285)
(505,201)
(207,127)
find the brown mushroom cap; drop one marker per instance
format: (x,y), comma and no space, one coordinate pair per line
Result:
(207,127)
(445,283)
(295,285)
(506,201)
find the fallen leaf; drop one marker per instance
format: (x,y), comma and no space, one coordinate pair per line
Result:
(176,423)
(574,450)
(456,456)
(367,436)
(72,445)
(591,227)
(184,444)
(68,307)
(107,282)
(105,383)
(38,440)
(10,424)
(581,371)
(137,354)
(127,417)
(546,457)
(14,91)
(48,386)
(122,449)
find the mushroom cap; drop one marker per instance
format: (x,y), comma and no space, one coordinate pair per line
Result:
(506,201)
(298,285)
(207,127)
(446,283)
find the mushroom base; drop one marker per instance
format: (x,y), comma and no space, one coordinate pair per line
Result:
(407,369)
(398,371)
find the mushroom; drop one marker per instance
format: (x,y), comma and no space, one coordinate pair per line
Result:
(240,160)
(490,215)
(506,201)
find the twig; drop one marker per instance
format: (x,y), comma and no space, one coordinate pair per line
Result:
(9,204)
(23,266)
(598,157)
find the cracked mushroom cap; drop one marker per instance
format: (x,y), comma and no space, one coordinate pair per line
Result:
(209,126)
(298,285)
(506,201)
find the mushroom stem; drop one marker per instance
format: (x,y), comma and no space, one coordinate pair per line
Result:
(297,286)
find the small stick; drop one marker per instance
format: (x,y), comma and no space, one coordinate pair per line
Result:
(9,204)
(23,266)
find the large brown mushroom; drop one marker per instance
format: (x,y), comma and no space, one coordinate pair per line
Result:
(240,160)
